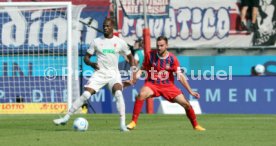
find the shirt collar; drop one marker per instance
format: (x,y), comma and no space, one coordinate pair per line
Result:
(164,56)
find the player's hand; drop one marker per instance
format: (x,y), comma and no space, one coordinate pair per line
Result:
(95,66)
(195,94)
(134,72)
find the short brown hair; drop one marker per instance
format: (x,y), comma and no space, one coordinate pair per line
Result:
(163,38)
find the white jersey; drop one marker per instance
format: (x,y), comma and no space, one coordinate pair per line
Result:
(108,51)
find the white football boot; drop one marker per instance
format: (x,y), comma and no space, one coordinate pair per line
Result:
(123,128)
(61,121)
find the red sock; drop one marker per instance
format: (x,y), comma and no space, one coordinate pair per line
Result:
(137,109)
(191,115)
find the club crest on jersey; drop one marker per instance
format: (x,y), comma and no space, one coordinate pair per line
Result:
(115,45)
(164,74)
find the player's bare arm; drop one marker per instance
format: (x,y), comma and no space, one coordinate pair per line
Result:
(133,68)
(185,83)
(88,62)
(137,76)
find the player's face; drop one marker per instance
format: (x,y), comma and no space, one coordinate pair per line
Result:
(107,28)
(161,47)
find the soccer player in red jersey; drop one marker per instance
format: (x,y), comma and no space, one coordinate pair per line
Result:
(160,66)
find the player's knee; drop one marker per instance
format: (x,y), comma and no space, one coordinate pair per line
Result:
(117,87)
(90,90)
(187,105)
(184,104)
(142,96)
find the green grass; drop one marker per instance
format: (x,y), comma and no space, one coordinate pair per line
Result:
(175,130)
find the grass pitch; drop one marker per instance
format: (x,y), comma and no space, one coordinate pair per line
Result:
(167,130)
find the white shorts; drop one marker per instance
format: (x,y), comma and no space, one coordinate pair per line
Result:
(101,78)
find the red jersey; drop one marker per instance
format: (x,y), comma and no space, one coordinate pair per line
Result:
(160,70)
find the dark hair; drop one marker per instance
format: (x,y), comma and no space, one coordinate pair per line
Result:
(110,20)
(163,38)
(140,42)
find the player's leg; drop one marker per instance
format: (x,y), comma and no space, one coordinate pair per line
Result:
(243,14)
(81,100)
(75,106)
(115,86)
(181,100)
(244,9)
(120,104)
(255,11)
(94,84)
(254,14)
(145,92)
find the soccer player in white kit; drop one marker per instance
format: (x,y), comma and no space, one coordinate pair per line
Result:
(107,48)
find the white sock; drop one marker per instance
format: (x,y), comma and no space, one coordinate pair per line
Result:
(77,104)
(120,103)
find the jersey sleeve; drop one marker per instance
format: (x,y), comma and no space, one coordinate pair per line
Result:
(92,48)
(176,65)
(125,49)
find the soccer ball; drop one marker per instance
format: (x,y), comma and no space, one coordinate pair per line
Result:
(80,124)
(260,69)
